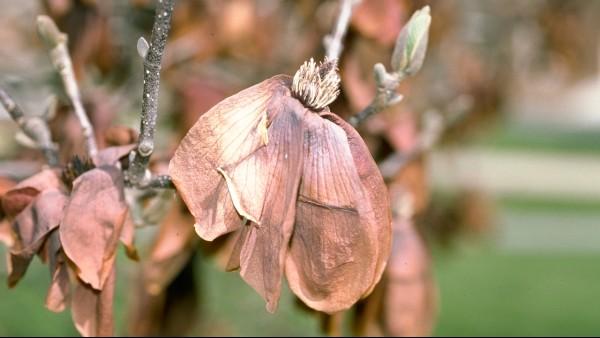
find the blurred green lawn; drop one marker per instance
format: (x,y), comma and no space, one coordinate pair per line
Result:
(484,291)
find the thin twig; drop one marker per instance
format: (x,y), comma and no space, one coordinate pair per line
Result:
(152,54)
(59,53)
(385,95)
(159,182)
(34,127)
(407,59)
(434,125)
(333,42)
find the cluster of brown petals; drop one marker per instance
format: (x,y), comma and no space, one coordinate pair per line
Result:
(298,187)
(74,227)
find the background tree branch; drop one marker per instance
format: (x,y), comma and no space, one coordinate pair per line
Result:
(34,127)
(56,41)
(333,42)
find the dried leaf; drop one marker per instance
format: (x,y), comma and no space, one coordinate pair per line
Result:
(92,224)
(92,310)
(336,252)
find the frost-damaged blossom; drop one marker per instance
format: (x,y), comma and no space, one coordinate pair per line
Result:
(73,220)
(296,183)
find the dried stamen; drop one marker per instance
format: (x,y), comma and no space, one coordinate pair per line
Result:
(316,86)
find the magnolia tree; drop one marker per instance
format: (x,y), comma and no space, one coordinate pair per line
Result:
(291,183)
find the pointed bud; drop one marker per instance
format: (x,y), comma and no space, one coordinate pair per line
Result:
(411,44)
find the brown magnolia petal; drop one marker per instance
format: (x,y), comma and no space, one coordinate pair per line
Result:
(375,190)
(16,267)
(45,179)
(334,253)
(221,138)
(6,234)
(36,221)
(110,155)
(410,295)
(31,227)
(92,223)
(127,238)
(60,288)
(272,176)
(92,310)
(15,200)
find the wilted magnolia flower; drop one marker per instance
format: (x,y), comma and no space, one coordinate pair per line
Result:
(73,221)
(298,185)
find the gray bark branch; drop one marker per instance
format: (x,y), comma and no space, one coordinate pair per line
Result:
(34,127)
(152,54)
(56,42)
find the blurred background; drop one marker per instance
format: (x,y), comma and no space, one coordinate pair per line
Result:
(505,201)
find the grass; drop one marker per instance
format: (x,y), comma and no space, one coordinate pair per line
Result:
(488,293)
(485,290)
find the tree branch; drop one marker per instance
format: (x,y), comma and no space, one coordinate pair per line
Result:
(56,42)
(333,42)
(152,54)
(34,127)
(407,59)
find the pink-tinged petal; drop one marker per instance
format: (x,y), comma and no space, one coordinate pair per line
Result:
(271,176)
(223,137)
(334,257)
(376,191)
(110,155)
(31,228)
(92,310)
(92,223)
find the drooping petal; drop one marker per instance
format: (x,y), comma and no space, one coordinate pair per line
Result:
(334,254)
(92,223)
(271,176)
(127,238)
(92,310)
(376,191)
(221,138)
(32,226)
(59,291)
(15,200)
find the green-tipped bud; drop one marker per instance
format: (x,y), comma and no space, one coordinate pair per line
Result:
(411,44)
